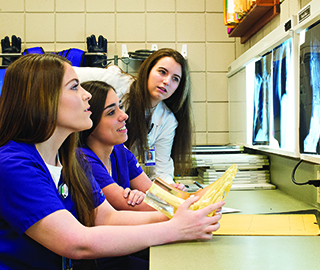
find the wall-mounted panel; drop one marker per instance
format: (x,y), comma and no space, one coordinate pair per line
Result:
(308,34)
(263,94)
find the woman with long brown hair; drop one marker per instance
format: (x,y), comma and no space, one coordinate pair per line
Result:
(160,114)
(51,208)
(114,167)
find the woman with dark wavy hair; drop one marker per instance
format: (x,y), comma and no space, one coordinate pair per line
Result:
(52,211)
(114,167)
(160,114)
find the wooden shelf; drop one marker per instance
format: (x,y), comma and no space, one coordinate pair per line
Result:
(260,14)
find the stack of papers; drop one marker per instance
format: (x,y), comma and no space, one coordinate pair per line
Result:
(243,176)
(224,161)
(207,149)
(253,169)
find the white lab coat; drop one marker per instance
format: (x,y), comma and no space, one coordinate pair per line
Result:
(161,137)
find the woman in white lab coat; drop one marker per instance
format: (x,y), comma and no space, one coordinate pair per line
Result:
(159,109)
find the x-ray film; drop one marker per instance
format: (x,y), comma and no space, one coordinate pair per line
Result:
(310,90)
(272,98)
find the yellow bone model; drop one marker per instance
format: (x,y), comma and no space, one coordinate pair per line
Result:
(167,199)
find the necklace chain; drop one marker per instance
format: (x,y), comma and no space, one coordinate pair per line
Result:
(109,167)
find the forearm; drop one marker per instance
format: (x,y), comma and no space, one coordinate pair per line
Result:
(138,207)
(108,241)
(61,233)
(115,196)
(135,217)
(122,240)
(185,225)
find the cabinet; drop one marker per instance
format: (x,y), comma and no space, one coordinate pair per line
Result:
(260,14)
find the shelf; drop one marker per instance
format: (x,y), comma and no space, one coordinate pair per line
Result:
(260,14)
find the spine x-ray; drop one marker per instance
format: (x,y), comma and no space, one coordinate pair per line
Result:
(310,91)
(271,95)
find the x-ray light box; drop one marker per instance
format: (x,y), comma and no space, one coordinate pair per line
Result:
(267,115)
(308,33)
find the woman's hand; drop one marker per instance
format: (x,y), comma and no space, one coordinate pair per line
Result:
(196,224)
(134,196)
(179,186)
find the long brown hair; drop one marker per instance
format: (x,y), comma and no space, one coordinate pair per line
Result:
(138,106)
(29,105)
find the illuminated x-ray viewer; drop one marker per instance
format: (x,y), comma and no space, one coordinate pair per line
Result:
(272,96)
(310,89)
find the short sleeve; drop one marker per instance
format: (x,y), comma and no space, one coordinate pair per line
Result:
(134,167)
(27,192)
(98,196)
